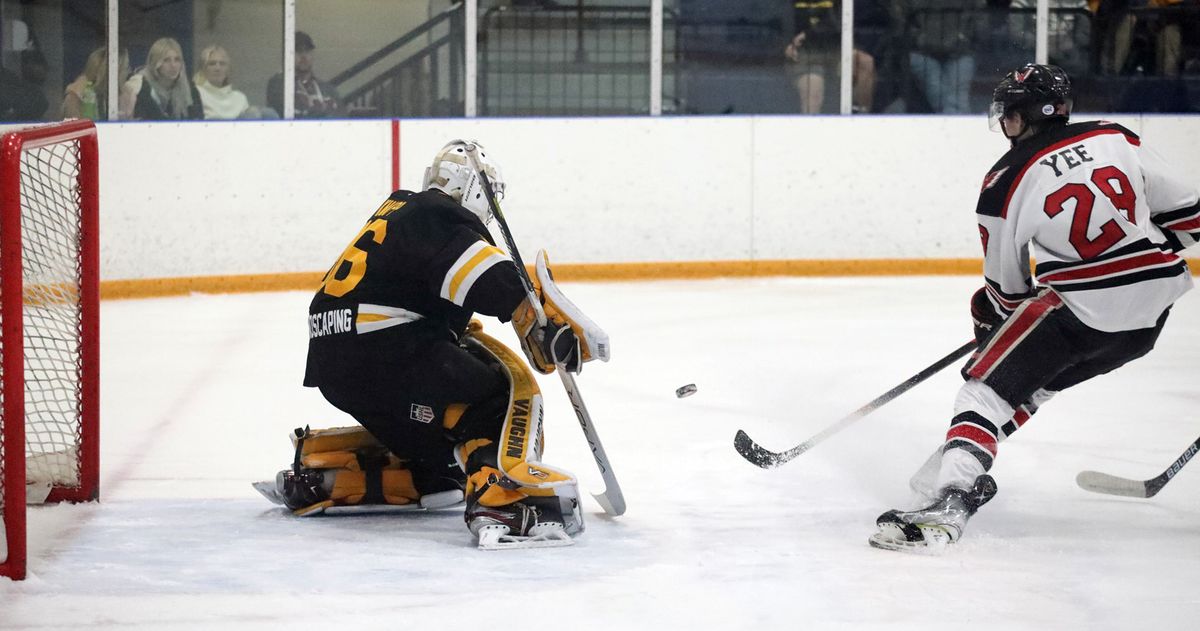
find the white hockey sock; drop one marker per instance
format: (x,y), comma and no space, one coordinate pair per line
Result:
(959,468)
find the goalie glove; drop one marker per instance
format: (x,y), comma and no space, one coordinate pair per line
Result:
(568,338)
(547,345)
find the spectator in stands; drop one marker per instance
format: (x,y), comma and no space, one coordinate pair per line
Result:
(815,53)
(314,98)
(941,35)
(1112,33)
(1006,40)
(87,95)
(23,96)
(213,82)
(1167,26)
(20,100)
(872,35)
(160,89)
(1117,24)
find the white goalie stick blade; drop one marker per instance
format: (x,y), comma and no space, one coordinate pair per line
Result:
(891,537)
(496,537)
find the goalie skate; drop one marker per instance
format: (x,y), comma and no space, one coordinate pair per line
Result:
(931,529)
(547,535)
(530,523)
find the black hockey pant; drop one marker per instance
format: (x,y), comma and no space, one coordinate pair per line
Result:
(406,410)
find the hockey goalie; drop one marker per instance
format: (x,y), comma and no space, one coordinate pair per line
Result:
(447,414)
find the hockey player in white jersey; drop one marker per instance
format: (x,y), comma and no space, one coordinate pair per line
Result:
(1105,218)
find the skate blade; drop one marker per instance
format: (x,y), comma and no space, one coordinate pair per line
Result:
(499,539)
(891,537)
(268,490)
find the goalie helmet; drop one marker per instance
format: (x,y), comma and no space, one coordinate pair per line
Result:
(453,174)
(1037,92)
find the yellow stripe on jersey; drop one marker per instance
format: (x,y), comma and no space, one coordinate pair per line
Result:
(471,264)
(375,317)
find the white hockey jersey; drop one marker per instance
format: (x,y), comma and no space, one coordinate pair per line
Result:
(1105,218)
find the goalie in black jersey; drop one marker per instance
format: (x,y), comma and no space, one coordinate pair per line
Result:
(1105,218)
(447,409)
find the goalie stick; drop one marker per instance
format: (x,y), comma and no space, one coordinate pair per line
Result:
(766,459)
(611,500)
(1098,482)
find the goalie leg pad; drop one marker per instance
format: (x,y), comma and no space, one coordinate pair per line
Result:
(521,432)
(513,500)
(311,491)
(347,466)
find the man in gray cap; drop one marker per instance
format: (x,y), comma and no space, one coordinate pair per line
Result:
(314,98)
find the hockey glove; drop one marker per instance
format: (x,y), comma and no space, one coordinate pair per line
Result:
(561,346)
(549,344)
(984,316)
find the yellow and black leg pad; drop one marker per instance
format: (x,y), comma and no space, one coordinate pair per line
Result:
(345,469)
(521,439)
(510,470)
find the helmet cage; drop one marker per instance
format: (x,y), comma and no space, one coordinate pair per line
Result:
(453,174)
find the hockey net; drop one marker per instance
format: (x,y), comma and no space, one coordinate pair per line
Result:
(48,325)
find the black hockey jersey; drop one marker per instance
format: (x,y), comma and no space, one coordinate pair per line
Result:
(417,272)
(1104,217)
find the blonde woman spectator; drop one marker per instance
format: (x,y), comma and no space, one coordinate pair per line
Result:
(87,95)
(212,80)
(161,88)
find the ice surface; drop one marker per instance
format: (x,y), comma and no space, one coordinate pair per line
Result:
(199,395)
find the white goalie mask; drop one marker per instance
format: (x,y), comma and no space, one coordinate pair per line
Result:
(452,173)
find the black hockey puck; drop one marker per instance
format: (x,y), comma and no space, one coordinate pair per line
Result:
(685,391)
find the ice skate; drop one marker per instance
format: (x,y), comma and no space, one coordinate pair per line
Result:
(529,523)
(929,530)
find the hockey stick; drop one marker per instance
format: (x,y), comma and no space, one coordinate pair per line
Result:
(1098,482)
(611,500)
(761,457)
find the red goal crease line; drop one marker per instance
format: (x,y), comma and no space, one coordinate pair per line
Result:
(577,272)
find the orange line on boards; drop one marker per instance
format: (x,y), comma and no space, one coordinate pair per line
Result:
(691,270)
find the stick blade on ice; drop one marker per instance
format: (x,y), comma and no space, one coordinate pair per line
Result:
(753,452)
(1098,482)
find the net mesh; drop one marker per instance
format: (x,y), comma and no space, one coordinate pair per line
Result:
(50,244)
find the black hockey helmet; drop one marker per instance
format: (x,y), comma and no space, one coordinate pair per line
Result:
(1038,92)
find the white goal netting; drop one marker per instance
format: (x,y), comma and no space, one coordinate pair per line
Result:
(51,318)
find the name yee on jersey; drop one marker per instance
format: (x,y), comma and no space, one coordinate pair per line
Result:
(330,323)
(1069,161)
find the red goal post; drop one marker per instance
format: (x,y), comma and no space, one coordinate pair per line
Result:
(49,325)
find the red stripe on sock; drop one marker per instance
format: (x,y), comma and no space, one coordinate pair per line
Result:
(974,434)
